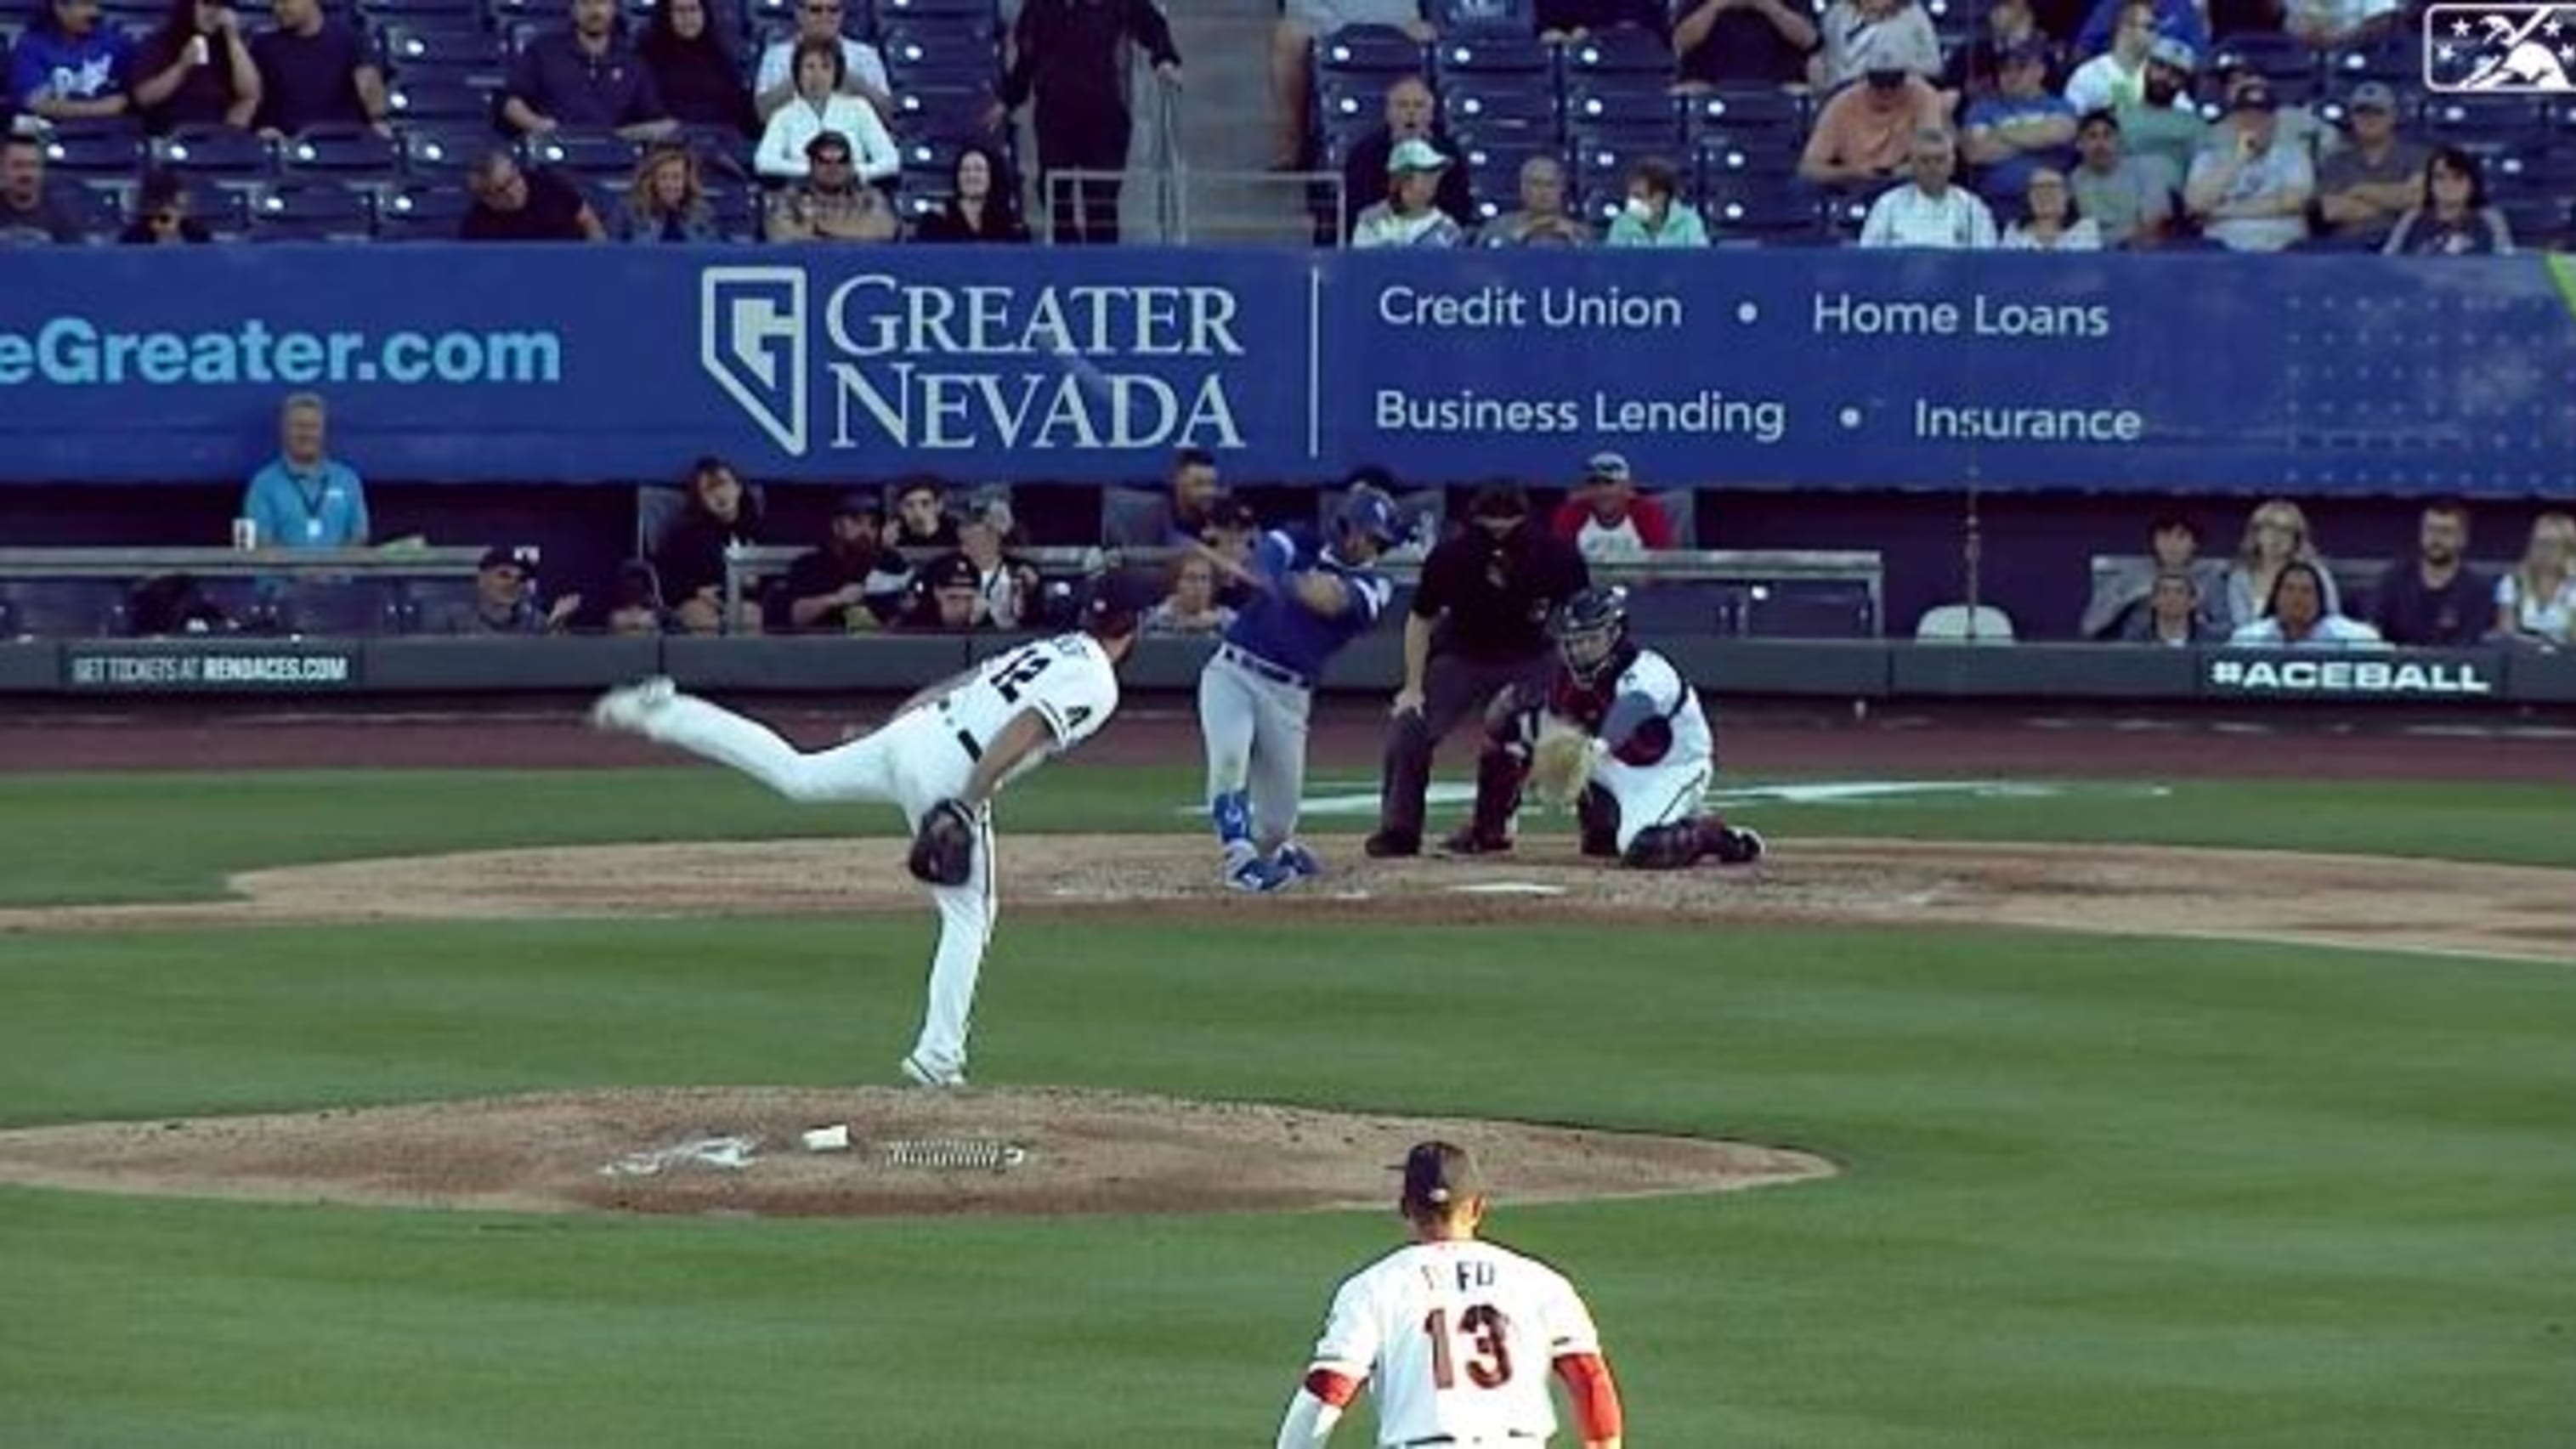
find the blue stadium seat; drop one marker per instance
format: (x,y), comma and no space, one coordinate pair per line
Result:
(2538,222)
(420,213)
(105,204)
(1515,17)
(214,151)
(737,210)
(2289,66)
(444,155)
(339,151)
(1518,99)
(889,12)
(438,45)
(508,15)
(1738,112)
(1626,107)
(1719,159)
(2397,61)
(932,53)
(1349,100)
(311,211)
(383,11)
(1486,54)
(595,154)
(952,108)
(108,146)
(1627,50)
(1371,50)
(435,97)
(2488,125)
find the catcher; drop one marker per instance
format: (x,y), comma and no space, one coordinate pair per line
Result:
(1620,734)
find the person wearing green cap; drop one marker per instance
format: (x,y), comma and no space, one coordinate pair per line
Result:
(1411,215)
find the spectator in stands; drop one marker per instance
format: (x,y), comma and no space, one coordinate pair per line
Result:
(2276,536)
(1542,220)
(1861,36)
(2299,613)
(1007,587)
(1976,68)
(2535,603)
(1654,214)
(2363,188)
(1866,133)
(1292,43)
(2021,128)
(2118,76)
(2251,193)
(863,70)
(2451,217)
(585,77)
(921,522)
(820,109)
(161,214)
(947,599)
(1189,505)
(1739,42)
(1929,211)
(2173,546)
(315,71)
(1560,21)
(2172,614)
(695,70)
(70,64)
(2339,24)
(666,202)
(2048,222)
(2435,600)
(983,202)
(2180,20)
(1604,518)
(1410,215)
(504,601)
(1191,607)
(635,606)
(196,70)
(512,204)
(30,211)
(2128,205)
(306,498)
(849,585)
(1070,56)
(721,514)
(1411,115)
(2299,125)
(831,204)
(2164,131)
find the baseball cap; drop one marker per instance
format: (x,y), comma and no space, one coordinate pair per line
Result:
(498,557)
(2256,97)
(1608,466)
(2169,50)
(853,505)
(1887,77)
(1437,1174)
(2371,96)
(950,572)
(1415,154)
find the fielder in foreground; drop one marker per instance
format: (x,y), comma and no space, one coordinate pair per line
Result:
(941,759)
(1620,733)
(1450,1332)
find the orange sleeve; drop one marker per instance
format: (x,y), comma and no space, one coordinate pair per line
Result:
(1335,1389)
(1595,1394)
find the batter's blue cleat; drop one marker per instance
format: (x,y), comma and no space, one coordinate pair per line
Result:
(1254,876)
(1294,863)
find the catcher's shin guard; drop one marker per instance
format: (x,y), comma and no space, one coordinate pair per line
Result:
(1596,814)
(1501,771)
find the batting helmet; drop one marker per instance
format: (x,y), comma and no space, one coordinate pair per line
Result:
(1369,511)
(1589,628)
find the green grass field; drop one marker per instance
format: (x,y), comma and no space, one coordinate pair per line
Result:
(2097,1190)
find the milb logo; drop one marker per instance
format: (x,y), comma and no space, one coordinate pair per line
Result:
(2509,50)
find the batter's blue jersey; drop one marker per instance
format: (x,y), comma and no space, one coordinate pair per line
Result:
(1276,626)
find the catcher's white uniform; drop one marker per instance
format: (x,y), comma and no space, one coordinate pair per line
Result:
(917,759)
(1660,775)
(1456,1340)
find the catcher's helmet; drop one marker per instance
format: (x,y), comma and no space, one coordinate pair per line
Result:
(1589,628)
(1371,512)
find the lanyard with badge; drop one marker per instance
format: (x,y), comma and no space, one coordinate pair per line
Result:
(313,499)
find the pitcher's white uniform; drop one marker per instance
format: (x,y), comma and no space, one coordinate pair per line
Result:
(1457,1340)
(919,758)
(1661,775)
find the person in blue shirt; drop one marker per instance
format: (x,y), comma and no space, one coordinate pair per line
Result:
(2178,19)
(306,499)
(1308,598)
(71,64)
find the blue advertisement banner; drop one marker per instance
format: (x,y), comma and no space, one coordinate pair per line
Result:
(1809,369)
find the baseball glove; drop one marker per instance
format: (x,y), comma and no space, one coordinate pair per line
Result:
(943,849)
(1561,761)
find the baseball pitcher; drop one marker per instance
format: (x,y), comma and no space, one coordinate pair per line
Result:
(1620,733)
(1454,1335)
(941,759)
(1307,599)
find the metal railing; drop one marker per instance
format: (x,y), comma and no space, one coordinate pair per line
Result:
(143,563)
(1193,206)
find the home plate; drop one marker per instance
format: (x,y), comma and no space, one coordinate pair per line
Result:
(1508,888)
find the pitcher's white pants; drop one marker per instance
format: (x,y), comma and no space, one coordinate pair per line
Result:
(914,762)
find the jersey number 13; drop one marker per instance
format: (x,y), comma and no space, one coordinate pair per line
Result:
(1488,1358)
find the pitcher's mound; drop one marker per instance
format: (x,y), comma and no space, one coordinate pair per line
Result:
(743,1150)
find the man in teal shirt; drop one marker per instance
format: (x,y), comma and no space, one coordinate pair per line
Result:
(306,499)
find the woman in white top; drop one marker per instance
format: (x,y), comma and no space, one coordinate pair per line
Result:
(2275,536)
(2051,224)
(819,107)
(2536,602)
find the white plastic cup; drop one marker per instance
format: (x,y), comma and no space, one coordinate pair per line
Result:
(245,534)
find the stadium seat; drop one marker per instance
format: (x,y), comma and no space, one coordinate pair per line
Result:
(442,155)
(1514,99)
(1374,50)
(310,211)
(420,214)
(1719,159)
(2488,125)
(599,155)
(951,108)
(214,151)
(931,53)
(889,12)
(382,12)
(2538,222)
(339,151)
(1620,107)
(1755,215)
(1511,17)
(109,146)
(1626,50)
(2287,65)
(435,97)
(105,204)
(1486,54)
(422,46)
(2396,61)
(1735,113)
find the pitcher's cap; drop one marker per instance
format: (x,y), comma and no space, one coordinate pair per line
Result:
(1437,1174)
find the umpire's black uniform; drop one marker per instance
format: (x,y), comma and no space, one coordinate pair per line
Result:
(1070,55)
(1486,594)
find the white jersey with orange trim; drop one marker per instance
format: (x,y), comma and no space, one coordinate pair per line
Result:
(1456,1340)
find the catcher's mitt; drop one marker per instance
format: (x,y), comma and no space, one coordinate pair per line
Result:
(943,849)
(1561,761)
